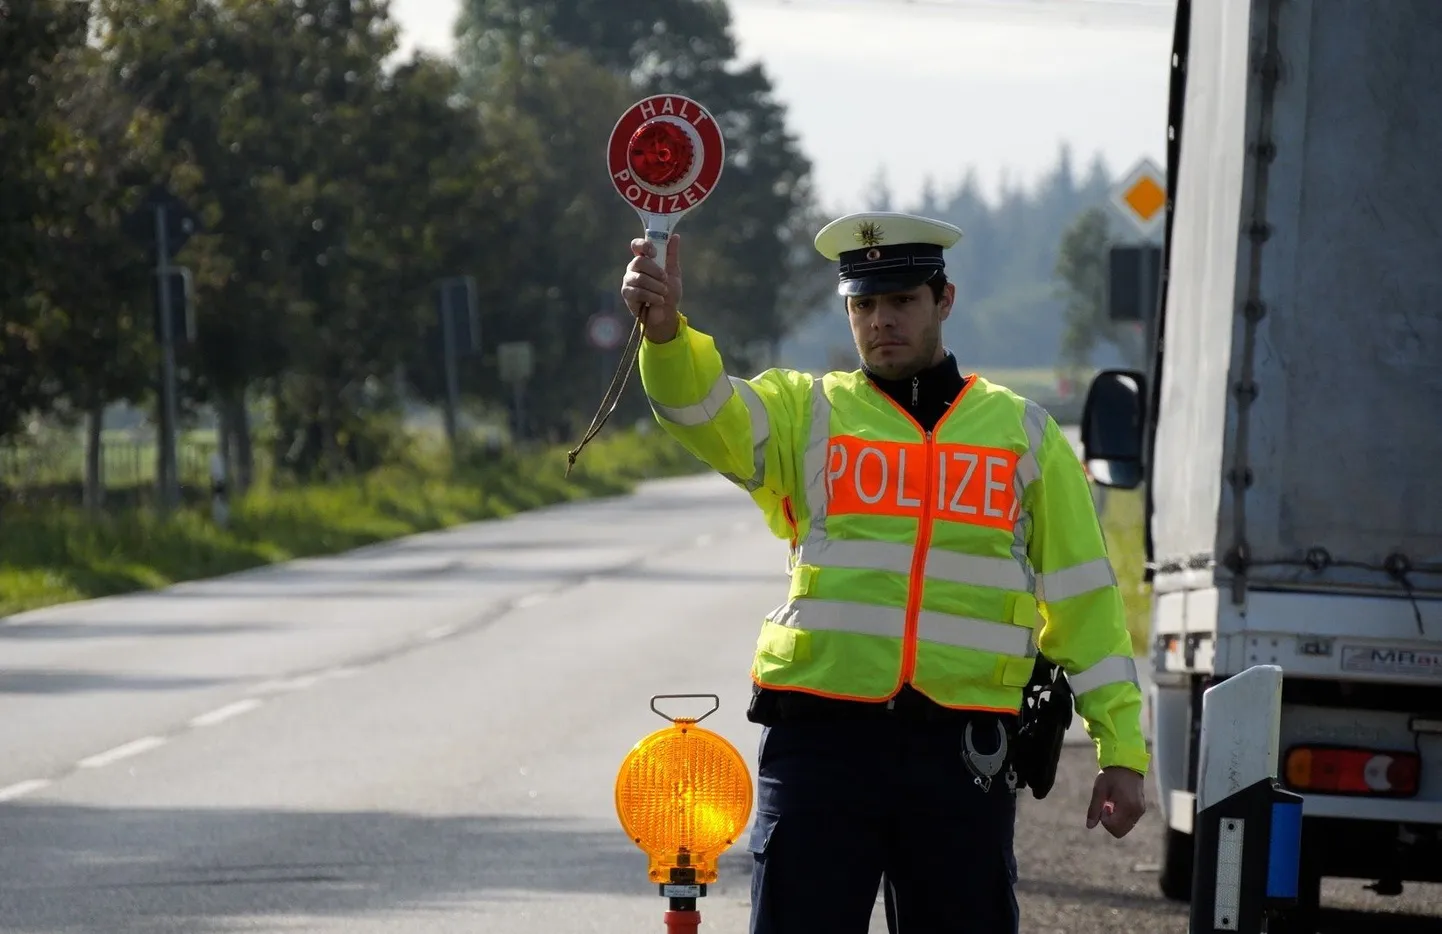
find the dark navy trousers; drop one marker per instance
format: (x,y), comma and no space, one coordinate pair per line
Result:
(840,804)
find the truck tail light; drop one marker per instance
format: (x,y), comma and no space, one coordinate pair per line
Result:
(1339,771)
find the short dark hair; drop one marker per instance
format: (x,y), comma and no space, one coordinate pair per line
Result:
(938,285)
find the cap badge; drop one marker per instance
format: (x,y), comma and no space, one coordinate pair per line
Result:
(869,233)
(873,254)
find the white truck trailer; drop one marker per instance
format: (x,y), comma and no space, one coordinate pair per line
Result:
(1288,431)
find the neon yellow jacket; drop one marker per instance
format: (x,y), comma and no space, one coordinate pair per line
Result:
(920,557)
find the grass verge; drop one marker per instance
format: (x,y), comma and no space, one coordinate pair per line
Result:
(1122,523)
(56,554)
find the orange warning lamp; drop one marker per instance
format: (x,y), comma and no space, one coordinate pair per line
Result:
(683,795)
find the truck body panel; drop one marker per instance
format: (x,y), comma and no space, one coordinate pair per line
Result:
(1299,434)
(1292,445)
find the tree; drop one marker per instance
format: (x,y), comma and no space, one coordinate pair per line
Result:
(749,253)
(1082,268)
(37,42)
(101,288)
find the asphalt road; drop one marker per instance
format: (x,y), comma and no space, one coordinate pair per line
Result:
(424,735)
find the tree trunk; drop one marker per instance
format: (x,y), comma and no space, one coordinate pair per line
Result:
(94,494)
(236,444)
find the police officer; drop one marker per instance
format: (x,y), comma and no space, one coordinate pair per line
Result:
(943,539)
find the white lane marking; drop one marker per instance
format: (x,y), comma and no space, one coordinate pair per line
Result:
(440,632)
(531,599)
(221,714)
(21,789)
(133,748)
(341,672)
(703,540)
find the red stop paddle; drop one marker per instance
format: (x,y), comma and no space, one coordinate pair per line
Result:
(665,157)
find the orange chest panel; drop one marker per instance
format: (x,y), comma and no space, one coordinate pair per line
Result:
(951,482)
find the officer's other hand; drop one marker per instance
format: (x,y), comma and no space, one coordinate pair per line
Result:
(647,285)
(1118,800)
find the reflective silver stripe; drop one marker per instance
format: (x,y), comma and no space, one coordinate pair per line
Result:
(842,616)
(942,628)
(967,633)
(813,468)
(701,412)
(1028,469)
(1114,669)
(979,571)
(760,431)
(868,555)
(950,566)
(1075,580)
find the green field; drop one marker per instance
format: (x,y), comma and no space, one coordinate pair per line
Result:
(1122,523)
(54,553)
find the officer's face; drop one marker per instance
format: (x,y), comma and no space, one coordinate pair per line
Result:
(899,333)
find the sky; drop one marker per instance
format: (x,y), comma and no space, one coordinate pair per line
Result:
(918,87)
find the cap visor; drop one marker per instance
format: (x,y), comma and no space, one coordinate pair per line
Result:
(880,285)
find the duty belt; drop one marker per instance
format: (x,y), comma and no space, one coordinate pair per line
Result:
(774,706)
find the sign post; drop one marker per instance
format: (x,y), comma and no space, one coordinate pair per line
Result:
(1141,198)
(665,157)
(515,362)
(460,333)
(165,223)
(1134,266)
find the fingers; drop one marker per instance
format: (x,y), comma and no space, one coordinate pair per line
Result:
(1098,802)
(1122,818)
(644,282)
(1116,805)
(673,255)
(642,288)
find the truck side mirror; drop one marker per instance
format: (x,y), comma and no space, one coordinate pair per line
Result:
(1111,428)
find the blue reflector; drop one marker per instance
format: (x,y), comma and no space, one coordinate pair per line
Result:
(1285,850)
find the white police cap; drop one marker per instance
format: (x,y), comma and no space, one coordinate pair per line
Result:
(885,251)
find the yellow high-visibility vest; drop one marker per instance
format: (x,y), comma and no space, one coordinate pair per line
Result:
(945,559)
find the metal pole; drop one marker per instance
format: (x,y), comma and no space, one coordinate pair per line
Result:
(448,351)
(519,394)
(166,468)
(1151,300)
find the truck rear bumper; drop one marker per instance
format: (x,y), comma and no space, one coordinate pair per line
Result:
(1180,806)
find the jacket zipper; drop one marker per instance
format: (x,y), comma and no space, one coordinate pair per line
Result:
(918,563)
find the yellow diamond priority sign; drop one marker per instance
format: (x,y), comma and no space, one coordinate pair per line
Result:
(1142,196)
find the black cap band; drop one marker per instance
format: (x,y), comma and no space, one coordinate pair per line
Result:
(895,268)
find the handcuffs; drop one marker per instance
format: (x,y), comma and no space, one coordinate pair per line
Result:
(984,766)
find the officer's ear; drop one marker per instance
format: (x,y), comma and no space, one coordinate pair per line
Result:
(948,296)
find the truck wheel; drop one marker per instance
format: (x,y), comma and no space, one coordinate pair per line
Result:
(1175,879)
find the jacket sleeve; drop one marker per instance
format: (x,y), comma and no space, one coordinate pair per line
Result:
(1083,625)
(744,429)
